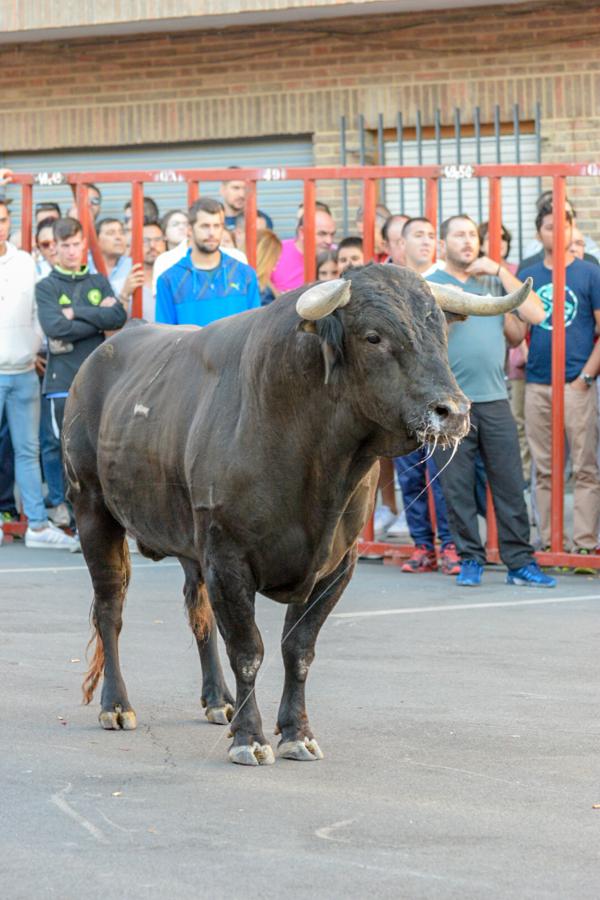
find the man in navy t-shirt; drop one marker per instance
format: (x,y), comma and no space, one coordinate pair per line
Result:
(582,364)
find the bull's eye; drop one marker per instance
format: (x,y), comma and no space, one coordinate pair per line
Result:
(373,338)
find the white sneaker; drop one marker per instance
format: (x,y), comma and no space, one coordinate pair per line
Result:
(382,520)
(60,515)
(398,528)
(49,538)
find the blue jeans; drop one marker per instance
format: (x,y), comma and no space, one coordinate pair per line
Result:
(411,476)
(51,452)
(20,398)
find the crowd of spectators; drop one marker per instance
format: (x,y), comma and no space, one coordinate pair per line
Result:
(56,308)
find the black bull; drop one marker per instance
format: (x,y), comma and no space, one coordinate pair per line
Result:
(248,450)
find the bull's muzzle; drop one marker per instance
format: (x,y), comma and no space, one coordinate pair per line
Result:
(448,419)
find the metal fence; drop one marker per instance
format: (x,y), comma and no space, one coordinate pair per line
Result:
(460,142)
(433,177)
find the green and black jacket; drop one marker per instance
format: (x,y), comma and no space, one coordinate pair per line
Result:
(70,341)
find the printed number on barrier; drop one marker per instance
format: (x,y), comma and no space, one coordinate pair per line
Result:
(168,176)
(49,179)
(457,171)
(273,174)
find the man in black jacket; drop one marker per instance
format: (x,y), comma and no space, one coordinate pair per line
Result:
(75,309)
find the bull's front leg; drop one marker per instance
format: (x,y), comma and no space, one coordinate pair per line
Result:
(231,592)
(302,626)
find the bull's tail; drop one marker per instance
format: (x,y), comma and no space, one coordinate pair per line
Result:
(200,612)
(92,676)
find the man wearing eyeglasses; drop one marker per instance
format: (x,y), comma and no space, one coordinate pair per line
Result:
(154,245)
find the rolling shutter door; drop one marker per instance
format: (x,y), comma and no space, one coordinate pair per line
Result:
(280,200)
(449,190)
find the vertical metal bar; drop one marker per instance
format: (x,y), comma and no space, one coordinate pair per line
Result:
(368,533)
(250,220)
(344,160)
(381,153)
(192,192)
(538,140)
(400,139)
(369,203)
(492,526)
(431,501)
(438,159)
(497,133)
(517,129)
(558,363)
(477,122)
(137,242)
(310,242)
(89,231)
(431,200)
(82,211)
(361,139)
(495,219)
(420,158)
(26,216)
(494,238)
(457,138)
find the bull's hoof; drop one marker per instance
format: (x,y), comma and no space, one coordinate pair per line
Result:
(220,715)
(114,719)
(304,751)
(252,755)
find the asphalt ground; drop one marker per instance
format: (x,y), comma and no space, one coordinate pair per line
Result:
(460,730)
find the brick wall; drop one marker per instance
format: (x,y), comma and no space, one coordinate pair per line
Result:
(300,77)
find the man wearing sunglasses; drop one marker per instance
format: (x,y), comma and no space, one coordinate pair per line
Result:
(45,245)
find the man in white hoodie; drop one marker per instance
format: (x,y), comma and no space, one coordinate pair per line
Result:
(20,338)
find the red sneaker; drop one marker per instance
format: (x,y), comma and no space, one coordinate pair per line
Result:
(450,562)
(423,559)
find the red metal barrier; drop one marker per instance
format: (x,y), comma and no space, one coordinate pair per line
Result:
(369,175)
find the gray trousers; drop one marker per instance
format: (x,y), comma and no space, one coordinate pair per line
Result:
(494,434)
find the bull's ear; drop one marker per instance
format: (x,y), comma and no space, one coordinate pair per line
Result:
(454,317)
(331,331)
(306,325)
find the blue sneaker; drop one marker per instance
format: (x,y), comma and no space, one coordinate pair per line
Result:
(530,576)
(470,573)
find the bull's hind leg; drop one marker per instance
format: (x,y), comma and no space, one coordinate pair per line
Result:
(216,699)
(107,556)
(302,625)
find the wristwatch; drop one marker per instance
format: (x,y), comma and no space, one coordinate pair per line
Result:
(588,379)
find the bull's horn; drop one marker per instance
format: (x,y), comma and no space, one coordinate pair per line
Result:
(321,299)
(452,299)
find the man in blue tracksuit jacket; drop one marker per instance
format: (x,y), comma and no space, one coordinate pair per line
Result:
(206,284)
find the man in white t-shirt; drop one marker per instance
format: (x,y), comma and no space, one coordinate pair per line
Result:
(20,339)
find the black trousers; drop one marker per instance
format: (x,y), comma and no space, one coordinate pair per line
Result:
(494,434)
